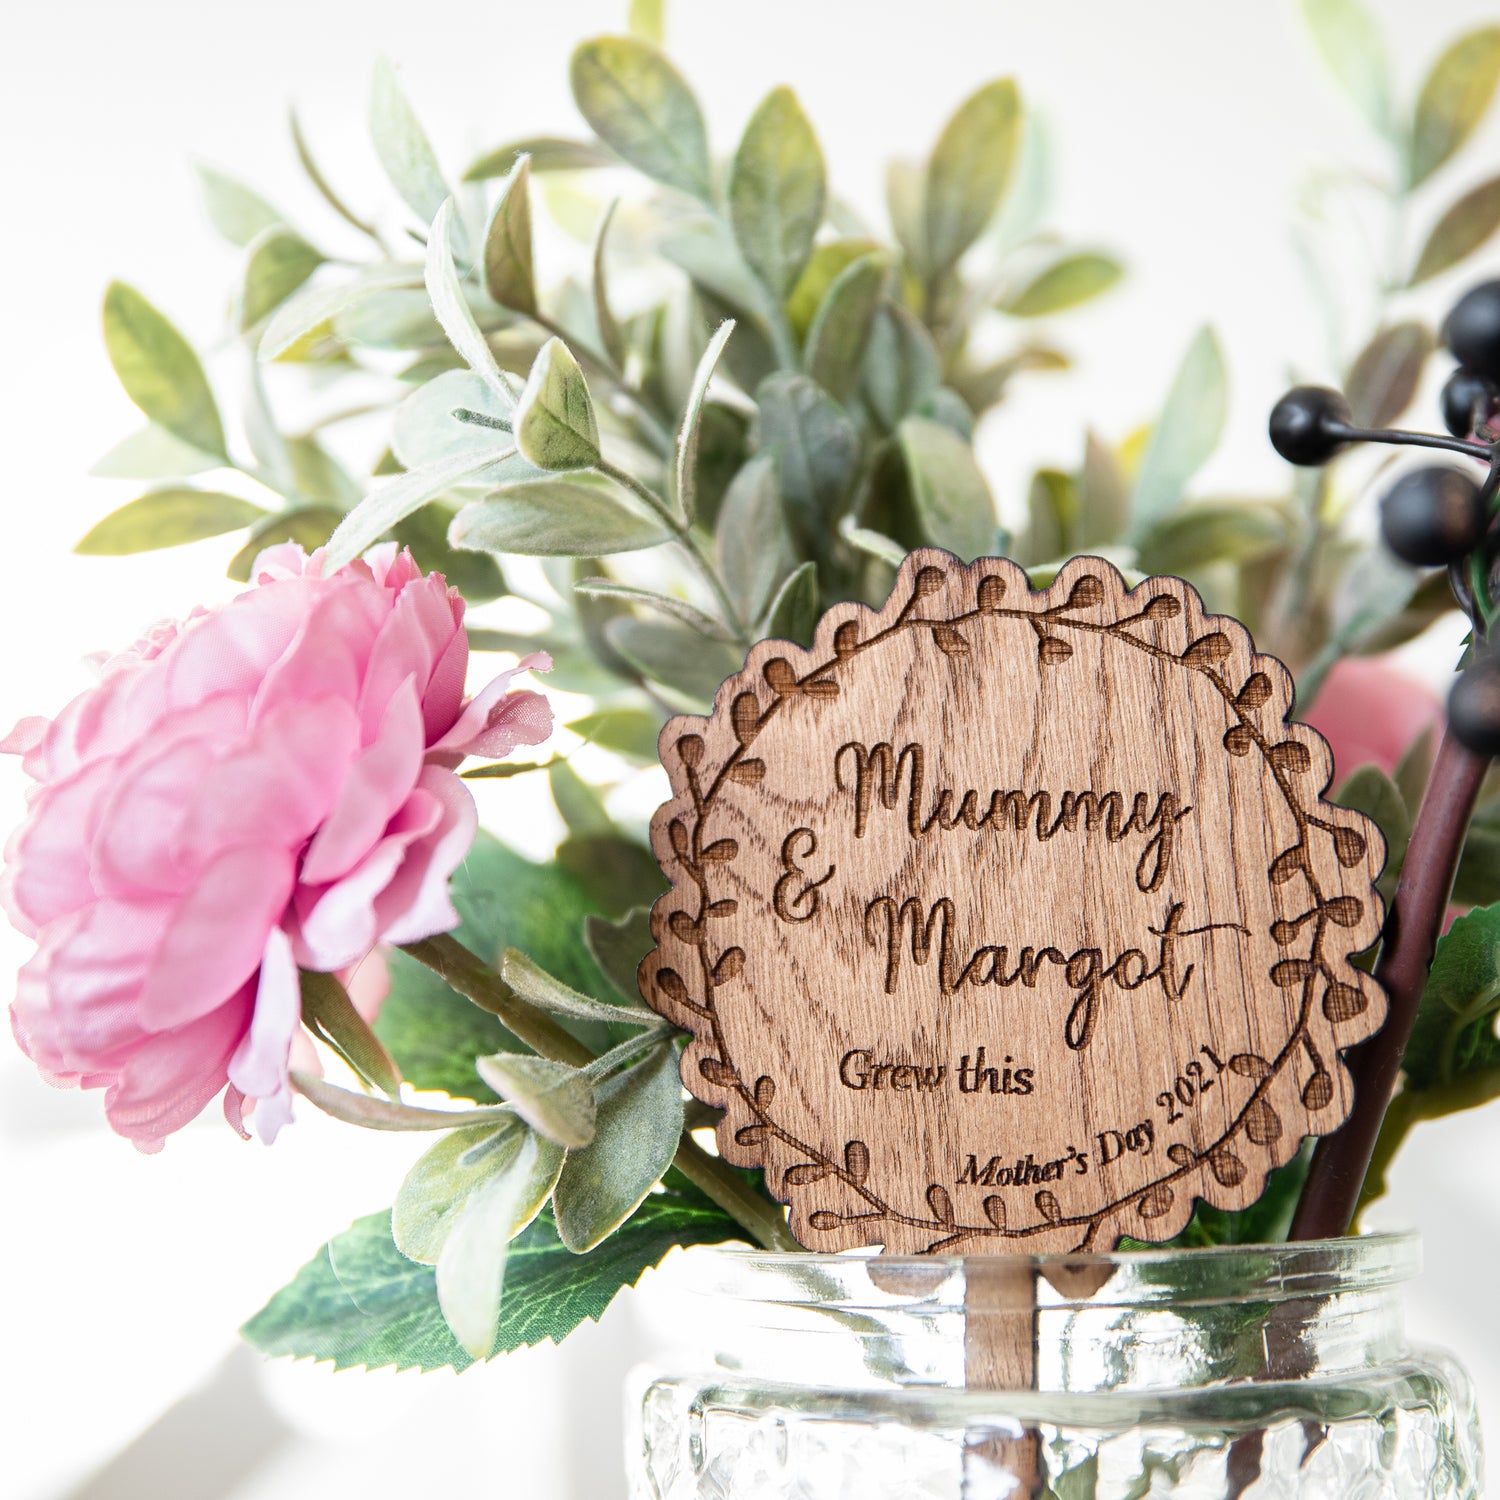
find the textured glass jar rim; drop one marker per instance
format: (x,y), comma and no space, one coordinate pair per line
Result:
(931,1285)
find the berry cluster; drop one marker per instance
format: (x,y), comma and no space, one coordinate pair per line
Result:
(1439,515)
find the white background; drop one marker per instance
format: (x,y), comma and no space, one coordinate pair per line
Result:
(1182,132)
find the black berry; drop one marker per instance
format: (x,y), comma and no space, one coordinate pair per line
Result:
(1301,424)
(1474,708)
(1472,331)
(1468,399)
(1432,516)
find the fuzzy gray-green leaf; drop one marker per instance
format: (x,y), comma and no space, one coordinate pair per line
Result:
(968,171)
(1065,283)
(685,451)
(816,447)
(777,187)
(573,515)
(554,418)
(167,518)
(238,212)
(279,262)
(402,146)
(532,982)
(673,655)
(557,1101)
(840,330)
(508,273)
(953,503)
(755,552)
(442,1181)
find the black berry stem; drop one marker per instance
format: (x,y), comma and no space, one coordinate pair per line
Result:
(1346,434)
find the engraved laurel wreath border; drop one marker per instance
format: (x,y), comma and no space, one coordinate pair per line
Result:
(1351,1001)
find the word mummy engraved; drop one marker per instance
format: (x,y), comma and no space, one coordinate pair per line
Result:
(875,773)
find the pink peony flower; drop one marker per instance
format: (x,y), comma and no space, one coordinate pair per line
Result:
(1370,712)
(255,788)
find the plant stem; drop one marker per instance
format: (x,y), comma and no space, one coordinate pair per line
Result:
(1341,1160)
(477,981)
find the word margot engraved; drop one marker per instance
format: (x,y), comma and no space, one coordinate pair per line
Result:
(1011,921)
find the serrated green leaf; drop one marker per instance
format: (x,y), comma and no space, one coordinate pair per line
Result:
(639,106)
(279,262)
(1454,98)
(953,504)
(548,153)
(167,518)
(968,171)
(1349,41)
(1461,231)
(631,732)
(1454,1033)
(508,272)
(313,306)
(1383,379)
(239,213)
(405,153)
(1065,283)
(777,187)
(817,454)
(554,418)
(577,515)
(635,1139)
(159,370)
(793,613)
(674,656)
(755,551)
(556,1100)
(532,982)
(840,329)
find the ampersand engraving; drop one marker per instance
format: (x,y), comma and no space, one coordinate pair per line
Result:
(794,896)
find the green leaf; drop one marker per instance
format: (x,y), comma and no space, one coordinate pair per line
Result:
(580,515)
(167,518)
(840,329)
(776,191)
(548,153)
(639,106)
(425,427)
(315,176)
(309,526)
(619,947)
(476,575)
(708,255)
(1369,790)
(557,1101)
(647,20)
(872,543)
(1103,495)
(817,453)
(371,1113)
(1454,98)
(508,273)
(678,609)
(639,1122)
(1384,376)
(159,370)
(451,307)
(1186,433)
(1211,531)
(611,335)
(1461,231)
(554,419)
(1477,881)
(954,507)
(1455,1030)
(1065,283)
(827,262)
(236,211)
(154,453)
(405,153)
(329,1014)
(617,873)
(1349,41)
(579,804)
(279,262)
(532,982)
(755,551)
(673,655)
(905,188)
(631,732)
(793,613)
(685,454)
(1052,510)
(313,306)
(968,171)
(902,371)
(439,1186)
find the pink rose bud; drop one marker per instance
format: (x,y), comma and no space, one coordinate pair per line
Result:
(256,788)
(1370,714)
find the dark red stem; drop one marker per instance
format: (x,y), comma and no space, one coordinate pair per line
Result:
(1340,1161)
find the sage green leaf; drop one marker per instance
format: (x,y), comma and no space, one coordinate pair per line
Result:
(1384,376)
(793,613)
(476,575)
(635,1139)
(329,1014)
(1352,49)
(954,507)
(1052,512)
(1065,283)
(439,1186)
(532,982)
(648,20)
(823,268)
(639,106)
(678,609)
(471,1266)
(577,515)
(1477,880)
(167,518)
(451,307)
(554,419)
(1454,98)
(777,188)
(1103,495)
(617,873)
(425,428)
(968,171)
(713,263)
(555,1100)
(905,190)
(396,499)
(631,732)
(309,526)
(755,551)
(580,805)
(982,387)
(1454,1035)
(159,370)
(318,477)
(817,453)
(1197,535)
(610,333)
(239,213)
(902,370)
(370,1113)
(279,262)
(405,153)
(1461,231)
(619,947)
(674,656)
(1369,790)
(872,543)
(154,453)
(315,176)
(315,305)
(548,153)
(1186,432)
(840,329)
(508,274)
(685,453)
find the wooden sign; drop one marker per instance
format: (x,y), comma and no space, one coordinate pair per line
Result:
(1007,921)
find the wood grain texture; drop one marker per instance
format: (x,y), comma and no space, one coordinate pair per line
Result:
(1011,921)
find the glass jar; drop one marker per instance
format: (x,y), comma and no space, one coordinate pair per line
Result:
(1273,1370)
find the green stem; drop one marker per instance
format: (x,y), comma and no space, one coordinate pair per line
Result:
(467,973)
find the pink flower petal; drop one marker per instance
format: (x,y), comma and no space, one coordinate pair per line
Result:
(258,1068)
(474,722)
(416,903)
(25,736)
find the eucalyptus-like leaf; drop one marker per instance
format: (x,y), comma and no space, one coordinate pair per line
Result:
(793,613)
(840,330)
(1461,231)
(1383,379)
(618,948)
(1455,96)
(902,368)
(426,426)
(154,453)
(159,370)
(330,1015)
(508,273)
(677,609)
(968,171)
(639,106)
(1348,39)
(315,305)
(777,187)
(405,153)
(446,292)
(279,262)
(557,1101)
(635,1138)
(1065,283)
(533,983)
(239,213)
(554,418)
(548,153)
(1186,432)
(817,451)
(572,515)
(167,518)
(678,658)
(685,453)
(755,552)
(610,333)
(953,503)
(445,1177)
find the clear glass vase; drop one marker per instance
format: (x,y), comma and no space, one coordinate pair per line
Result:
(1261,1371)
